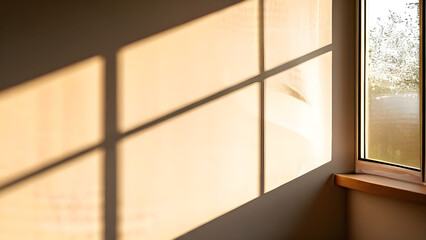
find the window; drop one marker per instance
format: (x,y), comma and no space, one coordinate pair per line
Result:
(391,91)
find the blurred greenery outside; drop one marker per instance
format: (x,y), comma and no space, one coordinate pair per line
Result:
(393,125)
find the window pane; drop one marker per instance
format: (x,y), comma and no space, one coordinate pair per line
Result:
(392,89)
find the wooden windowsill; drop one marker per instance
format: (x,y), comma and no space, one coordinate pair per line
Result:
(382,186)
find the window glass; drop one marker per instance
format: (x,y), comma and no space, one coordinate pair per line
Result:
(392,92)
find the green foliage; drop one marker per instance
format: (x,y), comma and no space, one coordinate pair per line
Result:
(393,66)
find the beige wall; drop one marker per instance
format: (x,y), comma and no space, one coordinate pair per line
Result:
(62,130)
(376,217)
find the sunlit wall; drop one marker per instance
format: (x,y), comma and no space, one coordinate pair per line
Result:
(294,28)
(42,122)
(190,169)
(297,100)
(205,162)
(172,69)
(298,121)
(188,138)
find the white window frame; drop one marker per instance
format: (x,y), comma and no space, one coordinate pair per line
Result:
(368,166)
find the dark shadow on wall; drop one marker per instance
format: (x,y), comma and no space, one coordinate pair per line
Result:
(38,37)
(309,207)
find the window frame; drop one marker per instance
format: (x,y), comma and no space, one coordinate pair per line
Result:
(370,166)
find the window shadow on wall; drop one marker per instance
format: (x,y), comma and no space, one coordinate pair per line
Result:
(59,35)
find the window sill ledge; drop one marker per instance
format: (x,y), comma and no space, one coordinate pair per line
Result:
(382,186)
